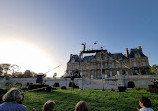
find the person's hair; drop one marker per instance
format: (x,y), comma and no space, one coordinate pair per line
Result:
(14,95)
(49,106)
(81,106)
(146,102)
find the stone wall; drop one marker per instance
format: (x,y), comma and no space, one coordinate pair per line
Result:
(86,83)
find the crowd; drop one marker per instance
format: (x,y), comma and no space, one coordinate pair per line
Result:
(13,99)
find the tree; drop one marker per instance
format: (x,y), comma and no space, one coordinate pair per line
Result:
(154,69)
(34,74)
(27,74)
(55,74)
(17,75)
(1,70)
(6,68)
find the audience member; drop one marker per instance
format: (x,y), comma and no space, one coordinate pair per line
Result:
(13,101)
(49,106)
(144,103)
(81,106)
(0,99)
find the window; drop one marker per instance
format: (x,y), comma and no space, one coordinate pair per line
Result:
(74,67)
(103,76)
(77,66)
(89,74)
(98,58)
(85,67)
(98,66)
(103,65)
(117,65)
(136,72)
(88,66)
(111,73)
(69,67)
(94,66)
(110,65)
(134,64)
(144,63)
(82,74)
(95,74)
(127,73)
(124,64)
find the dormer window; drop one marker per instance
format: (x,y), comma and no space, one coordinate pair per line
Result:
(73,60)
(137,55)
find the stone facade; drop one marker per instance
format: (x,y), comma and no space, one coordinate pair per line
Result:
(105,64)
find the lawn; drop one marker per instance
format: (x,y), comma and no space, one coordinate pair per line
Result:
(97,100)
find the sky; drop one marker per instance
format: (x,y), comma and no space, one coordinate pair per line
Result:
(40,35)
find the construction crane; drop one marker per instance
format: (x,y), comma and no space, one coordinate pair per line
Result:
(53,69)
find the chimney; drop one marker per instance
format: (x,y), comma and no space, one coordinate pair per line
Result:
(139,47)
(127,52)
(71,55)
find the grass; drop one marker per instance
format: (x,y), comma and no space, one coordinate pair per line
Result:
(97,100)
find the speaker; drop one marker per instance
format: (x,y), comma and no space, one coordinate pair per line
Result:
(48,89)
(39,79)
(122,89)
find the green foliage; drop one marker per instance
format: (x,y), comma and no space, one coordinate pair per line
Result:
(7,68)
(154,69)
(97,100)
(7,77)
(27,74)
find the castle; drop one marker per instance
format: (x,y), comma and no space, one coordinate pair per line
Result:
(105,64)
(101,70)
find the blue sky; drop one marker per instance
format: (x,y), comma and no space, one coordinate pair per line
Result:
(58,27)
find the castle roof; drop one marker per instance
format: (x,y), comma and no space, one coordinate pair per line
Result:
(118,56)
(133,52)
(88,58)
(75,57)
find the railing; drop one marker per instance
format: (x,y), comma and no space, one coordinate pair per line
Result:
(141,76)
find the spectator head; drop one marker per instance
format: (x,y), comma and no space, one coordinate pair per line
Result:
(144,102)
(14,95)
(81,106)
(49,106)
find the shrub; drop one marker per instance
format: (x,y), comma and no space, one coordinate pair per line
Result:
(18,84)
(63,87)
(56,84)
(8,84)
